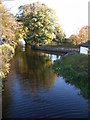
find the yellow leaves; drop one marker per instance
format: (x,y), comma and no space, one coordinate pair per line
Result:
(7,54)
(7,48)
(26,29)
(36,35)
(39,24)
(35,13)
(2,8)
(40,21)
(9,26)
(60,35)
(50,36)
(5,70)
(81,37)
(34,19)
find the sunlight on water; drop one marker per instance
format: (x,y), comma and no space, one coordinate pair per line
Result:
(53,57)
(33,90)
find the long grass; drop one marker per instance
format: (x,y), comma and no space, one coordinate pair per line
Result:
(75,69)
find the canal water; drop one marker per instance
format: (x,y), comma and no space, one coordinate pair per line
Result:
(34,90)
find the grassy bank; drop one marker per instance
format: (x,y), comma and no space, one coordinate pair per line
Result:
(75,69)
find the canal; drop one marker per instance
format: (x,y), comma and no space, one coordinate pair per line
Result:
(34,90)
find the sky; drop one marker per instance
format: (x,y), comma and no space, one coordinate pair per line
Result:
(72,14)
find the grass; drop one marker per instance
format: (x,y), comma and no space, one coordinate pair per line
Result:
(79,62)
(75,69)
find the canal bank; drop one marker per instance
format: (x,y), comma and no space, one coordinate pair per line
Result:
(33,89)
(75,69)
(70,67)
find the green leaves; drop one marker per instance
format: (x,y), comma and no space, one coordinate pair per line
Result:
(40,21)
(60,35)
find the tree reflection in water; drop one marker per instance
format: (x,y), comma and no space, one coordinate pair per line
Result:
(36,67)
(34,90)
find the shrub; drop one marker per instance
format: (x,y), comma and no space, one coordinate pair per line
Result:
(6,52)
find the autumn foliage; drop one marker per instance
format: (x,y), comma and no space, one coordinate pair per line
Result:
(82,36)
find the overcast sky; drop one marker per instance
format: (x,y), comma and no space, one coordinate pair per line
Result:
(72,14)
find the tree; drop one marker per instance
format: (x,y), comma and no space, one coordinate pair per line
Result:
(74,39)
(40,22)
(8,29)
(60,35)
(9,25)
(83,34)
(82,37)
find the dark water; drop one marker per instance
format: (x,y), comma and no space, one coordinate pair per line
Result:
(33,90)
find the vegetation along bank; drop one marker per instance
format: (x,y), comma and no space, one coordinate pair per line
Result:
(8,41)
(38,25)
(75,69)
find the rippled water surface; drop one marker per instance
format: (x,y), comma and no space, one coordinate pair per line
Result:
(33,90)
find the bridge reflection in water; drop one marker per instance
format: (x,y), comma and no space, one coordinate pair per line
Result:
(33,90)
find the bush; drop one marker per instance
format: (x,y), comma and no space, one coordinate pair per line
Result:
(6,52)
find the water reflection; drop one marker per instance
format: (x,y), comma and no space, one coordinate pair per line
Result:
(33,90)
(22,48)
(53,57)
(36,67)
